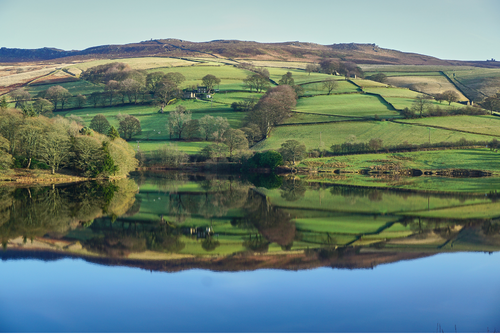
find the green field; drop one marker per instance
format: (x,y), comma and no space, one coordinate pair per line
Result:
(348,224)
(318,89)
(398,74)
(137,63)
(368,83)
(338,133)
(412,68)
(357,105)
(300,76)
(299,117)
(426,84)
(77,87)
(403,102)
(374,203)
(488,125)
(392,92)
(230,97)
(480,158)
(477,83)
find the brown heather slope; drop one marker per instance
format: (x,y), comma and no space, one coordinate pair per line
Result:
(349,259)
(287,51)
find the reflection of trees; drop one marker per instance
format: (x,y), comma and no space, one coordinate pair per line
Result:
(33,212)
(210,244)
(257,244)
(273,223)
(292,189)
(117,240)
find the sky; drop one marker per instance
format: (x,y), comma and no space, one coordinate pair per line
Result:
(447,29)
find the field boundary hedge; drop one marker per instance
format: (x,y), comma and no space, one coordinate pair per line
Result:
(456,86)
(383,99)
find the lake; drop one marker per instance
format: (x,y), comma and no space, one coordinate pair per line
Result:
(170,252)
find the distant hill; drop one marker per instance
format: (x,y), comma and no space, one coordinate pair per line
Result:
(288,51)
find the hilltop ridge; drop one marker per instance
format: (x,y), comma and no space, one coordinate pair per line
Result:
(283,51)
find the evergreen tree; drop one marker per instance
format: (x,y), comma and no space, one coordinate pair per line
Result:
(113,133)
(3,103)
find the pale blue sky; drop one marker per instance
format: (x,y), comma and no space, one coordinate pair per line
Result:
(448,29)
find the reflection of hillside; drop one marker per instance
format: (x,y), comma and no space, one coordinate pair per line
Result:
(350,259)
(179,222)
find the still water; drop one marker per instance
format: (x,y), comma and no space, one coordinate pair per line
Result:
(176,253)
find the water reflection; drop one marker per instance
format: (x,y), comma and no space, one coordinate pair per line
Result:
(174,221)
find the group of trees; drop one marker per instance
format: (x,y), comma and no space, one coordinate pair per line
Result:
(449,96)
(258,81)
(272,109)
(492,103)
(423,107)
(54,98)
(37,141)
(339,67)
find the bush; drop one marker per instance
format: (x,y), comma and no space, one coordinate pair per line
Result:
(268,159)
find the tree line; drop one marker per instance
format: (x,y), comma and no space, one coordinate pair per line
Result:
(119,83)
(28,141)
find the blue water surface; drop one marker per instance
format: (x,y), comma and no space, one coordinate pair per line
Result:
(461,289)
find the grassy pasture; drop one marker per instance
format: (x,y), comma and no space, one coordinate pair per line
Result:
(211,60)
(487,210)
(279,64)
(230,97)
(402,98)
(76,87)
(368,83)
(397,74)
(430,184)
(337,133)
(195,73)
(311,118)
(384,206)
(154,125)
(412,68)
(300,76)
(480,158)
(317,88)
(488,125)
(404,102)
(477,82)
(392,92)
(359,105)
(142,63)
(23,77)
(348,224)
(426,84)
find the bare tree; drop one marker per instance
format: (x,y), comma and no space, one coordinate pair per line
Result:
(420,104)
(491,103)
(330,85)
(57,94)
(311,68)
(80,100)
(450,96)
(272,108)
(235,140)
(20,96)
(178,121)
